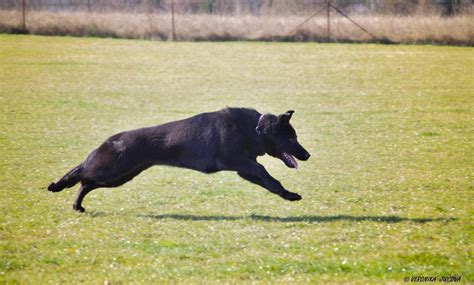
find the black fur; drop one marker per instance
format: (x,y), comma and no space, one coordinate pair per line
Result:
(230,139)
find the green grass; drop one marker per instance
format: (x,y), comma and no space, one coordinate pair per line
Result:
(387,193)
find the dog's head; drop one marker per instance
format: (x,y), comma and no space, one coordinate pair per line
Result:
(280,138)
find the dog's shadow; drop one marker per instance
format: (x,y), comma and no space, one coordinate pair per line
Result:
(307,219)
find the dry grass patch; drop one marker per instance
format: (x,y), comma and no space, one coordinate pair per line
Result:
(191,27)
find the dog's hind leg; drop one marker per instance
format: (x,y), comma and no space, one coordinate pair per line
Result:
(83,191)
(68,180)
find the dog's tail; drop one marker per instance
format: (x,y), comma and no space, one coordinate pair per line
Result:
(68,180)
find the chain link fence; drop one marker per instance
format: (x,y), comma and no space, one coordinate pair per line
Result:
(399,21)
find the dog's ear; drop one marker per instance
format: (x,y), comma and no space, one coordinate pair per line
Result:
(261,128)
(265,123)
(285,118)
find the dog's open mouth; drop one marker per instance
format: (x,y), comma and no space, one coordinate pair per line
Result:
(289,160)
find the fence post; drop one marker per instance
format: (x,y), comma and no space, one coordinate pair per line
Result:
(173,32)
(328,11)
(23,13)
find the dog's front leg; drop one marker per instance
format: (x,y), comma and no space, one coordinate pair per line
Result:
(254,172)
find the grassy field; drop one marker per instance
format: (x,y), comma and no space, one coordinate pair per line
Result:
(387,193)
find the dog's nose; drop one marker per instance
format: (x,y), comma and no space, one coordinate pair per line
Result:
(306,156)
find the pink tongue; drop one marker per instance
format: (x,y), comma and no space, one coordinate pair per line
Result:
(292,160)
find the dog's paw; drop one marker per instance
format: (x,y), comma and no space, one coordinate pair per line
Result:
(53,187)
(80,209)
(290,196)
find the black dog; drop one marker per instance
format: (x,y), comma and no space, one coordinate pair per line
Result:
(230,139)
